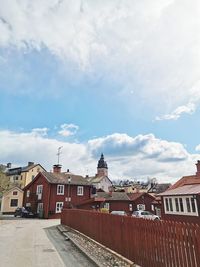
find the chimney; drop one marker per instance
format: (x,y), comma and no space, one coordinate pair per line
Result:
(30,163)
(8,165)
(57,168)
(198,167)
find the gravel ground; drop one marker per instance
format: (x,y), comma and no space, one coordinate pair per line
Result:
(101,255)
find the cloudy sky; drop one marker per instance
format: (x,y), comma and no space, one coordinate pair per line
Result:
(112,76)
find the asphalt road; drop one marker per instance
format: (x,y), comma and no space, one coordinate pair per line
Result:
(36,243)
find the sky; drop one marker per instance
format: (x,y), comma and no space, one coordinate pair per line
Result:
(119,77)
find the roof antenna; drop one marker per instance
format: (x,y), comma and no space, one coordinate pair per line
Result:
(58,154)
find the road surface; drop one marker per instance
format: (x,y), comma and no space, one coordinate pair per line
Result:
(36,243)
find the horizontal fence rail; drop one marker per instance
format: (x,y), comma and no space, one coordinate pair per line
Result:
(147,243)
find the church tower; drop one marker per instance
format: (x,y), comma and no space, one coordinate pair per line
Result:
(102,168)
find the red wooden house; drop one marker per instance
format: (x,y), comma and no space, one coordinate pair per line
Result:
(127,202)
(181,202)
(49,192)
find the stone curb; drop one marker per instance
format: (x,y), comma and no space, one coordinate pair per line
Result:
(66,231)
(80,248)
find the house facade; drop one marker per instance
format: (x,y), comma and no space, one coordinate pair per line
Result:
(21,176)
(49,192)
(11,199)
(128,202)
(101,181)
(181,202)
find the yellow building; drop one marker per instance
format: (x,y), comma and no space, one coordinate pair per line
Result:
(11,199)
(21,176)
(18,178)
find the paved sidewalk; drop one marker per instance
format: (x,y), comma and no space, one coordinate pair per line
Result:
(24,243)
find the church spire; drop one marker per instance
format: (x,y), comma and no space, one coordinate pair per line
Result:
(102,167)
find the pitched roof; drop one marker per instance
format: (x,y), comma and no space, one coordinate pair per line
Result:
(19,170)
(186,180)
(121,196)
(113,196)
(12,189)
(183,190)
(62,178)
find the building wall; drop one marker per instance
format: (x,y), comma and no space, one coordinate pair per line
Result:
(105,184)
(184,217)
(33,200)
(50,197)
(27,177)
(6,201)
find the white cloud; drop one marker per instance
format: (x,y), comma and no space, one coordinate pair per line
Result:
(68,129)
(188,109)
(152,48)
(127,157)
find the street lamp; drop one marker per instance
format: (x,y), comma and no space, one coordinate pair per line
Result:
(68,191)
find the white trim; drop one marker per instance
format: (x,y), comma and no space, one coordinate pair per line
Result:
(80,190)
(59,191)
(59,206)
(28,193)
(184,212)
(39,189)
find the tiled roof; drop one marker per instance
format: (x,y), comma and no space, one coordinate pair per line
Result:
(62,178)
(183,190)
(113,196)
(95,179)
(186,180)
(121,196)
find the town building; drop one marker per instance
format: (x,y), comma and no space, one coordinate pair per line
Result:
(181,202)
(49,192)
(18,177)
(11,199)
(101,181)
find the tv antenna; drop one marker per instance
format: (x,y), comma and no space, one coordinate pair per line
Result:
(58,154)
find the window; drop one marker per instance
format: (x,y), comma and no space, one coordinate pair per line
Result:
(193,204)
(141,207)
(176,203)
(15,193)
(33,176)
(130,207)
(40,208)
(107,206)
(181,204)
(39,189)
(79,190)
(188,204)
(16,178)
(28,193)
(170,204)
(167,204)
(60,189)
(59,206)
(14,202)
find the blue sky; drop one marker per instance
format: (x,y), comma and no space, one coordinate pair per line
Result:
(118,77)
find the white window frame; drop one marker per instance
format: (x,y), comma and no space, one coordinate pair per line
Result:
(184,212)
(39,189)
(141,207)
(80,190)
(28,193)
(60,189)
(59,206)
(40,207)
(107,205)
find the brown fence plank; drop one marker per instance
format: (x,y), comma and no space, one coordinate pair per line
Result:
(147,243)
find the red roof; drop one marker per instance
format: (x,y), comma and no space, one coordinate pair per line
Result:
(186,180)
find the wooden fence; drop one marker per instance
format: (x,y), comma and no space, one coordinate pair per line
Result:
(147,243)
